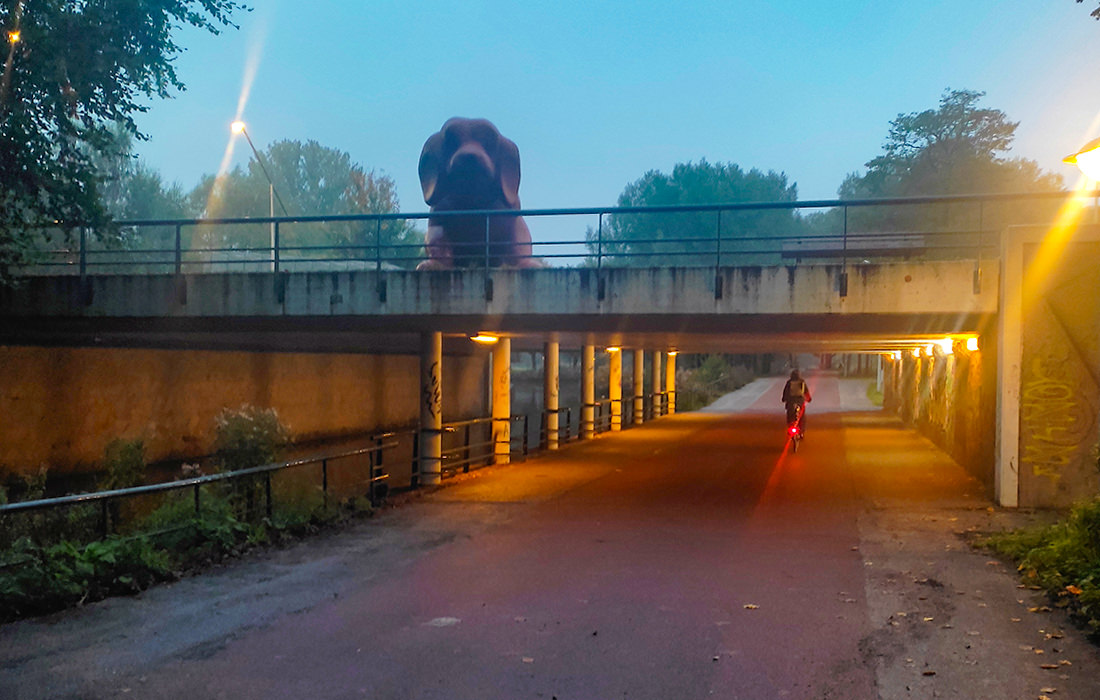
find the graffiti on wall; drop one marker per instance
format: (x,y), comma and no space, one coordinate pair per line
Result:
(433,393)
(1055,421)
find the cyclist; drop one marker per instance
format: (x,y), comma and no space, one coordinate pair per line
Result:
(796,394)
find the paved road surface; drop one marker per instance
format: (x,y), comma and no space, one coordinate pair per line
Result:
(691,558)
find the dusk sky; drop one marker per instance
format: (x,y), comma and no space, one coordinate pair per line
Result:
(597,93)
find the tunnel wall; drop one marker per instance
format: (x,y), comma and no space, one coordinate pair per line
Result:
(61,406)
(951,400)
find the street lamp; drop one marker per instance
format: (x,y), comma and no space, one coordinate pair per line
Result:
(238,127)
(1087,159)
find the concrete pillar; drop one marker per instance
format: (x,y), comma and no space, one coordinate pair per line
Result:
(615,389)
(639,387)
(550,392)
(588,392)
(502,401)
(670,381)
(431,408)
(1010,357)
(657,383)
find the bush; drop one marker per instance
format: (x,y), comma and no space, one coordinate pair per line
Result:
(1063,559)
(124,462)
(248,437)
(714,377)
(39,579)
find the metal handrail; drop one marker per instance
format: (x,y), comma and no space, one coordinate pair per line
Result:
(96,496)
(600,248)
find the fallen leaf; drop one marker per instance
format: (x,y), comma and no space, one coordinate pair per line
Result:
(528,660)
(929,619)
(1048,690)
(1073,589)
(751,606)
(1066,662)
(928,673)
(1013,619)
(1055,635)
(1039,609)
(1048,667)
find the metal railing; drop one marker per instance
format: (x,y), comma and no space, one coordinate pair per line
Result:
(109,522)
(849,231)
(475,447)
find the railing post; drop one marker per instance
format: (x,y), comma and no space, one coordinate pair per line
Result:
(83,253)
(844,258)
(267,489)
(378,245)
(179,249)
(599,244)
(466,449)
(324,484)
(525,436)
(198,508)
(275,247)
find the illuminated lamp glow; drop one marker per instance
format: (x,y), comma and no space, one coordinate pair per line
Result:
(1087,159)
(15,36)
(916,352)
(237,127)
(673,353)
(896,354)
(613,349)
(947,346)
(972,344)
(484,338)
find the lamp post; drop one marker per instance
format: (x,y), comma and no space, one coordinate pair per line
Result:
(238,127)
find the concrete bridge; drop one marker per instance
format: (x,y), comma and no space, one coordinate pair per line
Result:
(994,393)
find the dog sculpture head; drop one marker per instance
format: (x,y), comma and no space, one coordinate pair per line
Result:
(468,165)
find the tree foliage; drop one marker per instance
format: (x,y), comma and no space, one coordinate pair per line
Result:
(690,237)
(959,147)
(75,68)
(1095,13)
(310,180)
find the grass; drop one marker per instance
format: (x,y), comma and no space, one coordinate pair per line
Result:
(1063,559)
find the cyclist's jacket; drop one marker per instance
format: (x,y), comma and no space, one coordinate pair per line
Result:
(796,391)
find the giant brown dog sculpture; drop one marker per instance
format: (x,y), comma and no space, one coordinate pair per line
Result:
(468,166)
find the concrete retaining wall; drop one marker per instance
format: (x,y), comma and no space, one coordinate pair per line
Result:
(61,406)
(950,399)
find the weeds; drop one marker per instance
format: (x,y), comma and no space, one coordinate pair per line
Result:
(1063,559)
(124,462)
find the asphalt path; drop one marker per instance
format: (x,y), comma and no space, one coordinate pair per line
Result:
(692,557)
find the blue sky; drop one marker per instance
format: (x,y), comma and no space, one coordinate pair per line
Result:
(597,93)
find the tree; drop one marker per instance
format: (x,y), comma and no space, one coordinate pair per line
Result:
(129,189)
(957,148)
(311,180)
(689,237)
(74,68)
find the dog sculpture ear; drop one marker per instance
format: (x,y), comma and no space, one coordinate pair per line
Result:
(431,167)
(508,171)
